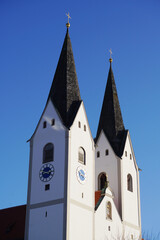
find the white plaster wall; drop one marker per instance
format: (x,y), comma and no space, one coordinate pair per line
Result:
(128,231)
(46,228)
(130,199)
(109,165)
(81,223)
(80,138)
(56,135)
(102,223)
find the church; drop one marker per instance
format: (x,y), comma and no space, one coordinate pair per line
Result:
(78,187)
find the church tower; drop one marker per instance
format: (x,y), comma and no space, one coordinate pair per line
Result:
(66,166)
(115,163)
(60,200)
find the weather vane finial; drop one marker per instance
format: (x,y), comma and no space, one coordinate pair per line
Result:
(110,56)
(69,17)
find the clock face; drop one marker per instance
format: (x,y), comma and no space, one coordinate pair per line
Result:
(46,172)
(81,175)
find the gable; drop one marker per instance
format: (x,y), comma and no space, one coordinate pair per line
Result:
(81,118)
(128,151)
(102,143)
(49,113)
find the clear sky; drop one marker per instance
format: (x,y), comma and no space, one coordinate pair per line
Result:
(31,38)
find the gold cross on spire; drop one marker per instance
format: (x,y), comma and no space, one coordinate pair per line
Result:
(110,55)
(69,17)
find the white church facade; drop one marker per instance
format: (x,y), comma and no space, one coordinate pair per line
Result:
(80,187)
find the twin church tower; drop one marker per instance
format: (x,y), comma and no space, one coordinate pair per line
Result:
(81,188)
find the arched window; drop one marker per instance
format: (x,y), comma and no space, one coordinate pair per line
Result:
(48,152)
(102,181)
(109,210)
(81,155)
(129,183)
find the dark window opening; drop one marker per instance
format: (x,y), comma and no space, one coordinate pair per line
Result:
(48,152)
(44,124)
(79,124)
(85,128)
(98,154)
(47,187)
(107,152)
(102,181)
(53,122)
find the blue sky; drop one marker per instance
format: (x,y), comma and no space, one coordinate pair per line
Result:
(32,34)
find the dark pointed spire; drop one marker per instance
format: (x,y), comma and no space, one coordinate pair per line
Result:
(111,121)
(64,91)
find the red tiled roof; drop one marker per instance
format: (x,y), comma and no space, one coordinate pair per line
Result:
(97,196)
(12,223)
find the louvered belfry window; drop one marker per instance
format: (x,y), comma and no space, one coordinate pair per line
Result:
(48,152)
(129,183)
(82,156)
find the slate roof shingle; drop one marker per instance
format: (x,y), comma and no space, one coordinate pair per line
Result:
(111,118)
(64,92)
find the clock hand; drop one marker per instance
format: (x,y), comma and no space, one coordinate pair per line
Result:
(47,171)
(82,175)
(43,171)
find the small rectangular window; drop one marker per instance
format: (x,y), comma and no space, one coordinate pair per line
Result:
(53,122)
(85,128)
(46,214)
(109,228)
(82,195)
(126,153)
(107,152)
(98,154)
(44,124)
(47,187)
(131,156)
(79,124)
